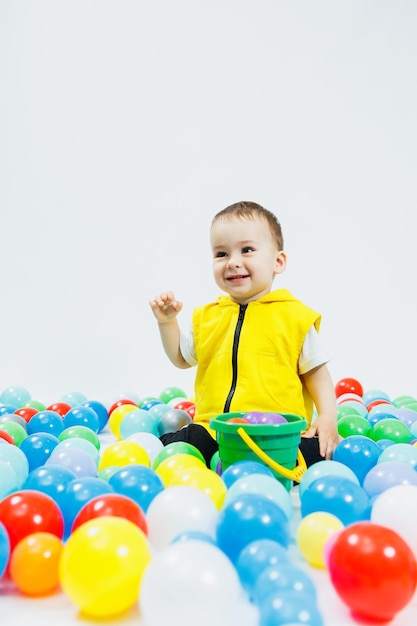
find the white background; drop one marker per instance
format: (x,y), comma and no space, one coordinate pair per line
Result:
(126,125)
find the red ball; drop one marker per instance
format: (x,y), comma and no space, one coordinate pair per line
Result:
(61,408)
(371,405)
(373,570)
(4,435)
(115,505)
(237,420)
(348,385)
(26,412)
(120,403)
(28,511)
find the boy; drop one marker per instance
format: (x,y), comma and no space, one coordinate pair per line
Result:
(255,349)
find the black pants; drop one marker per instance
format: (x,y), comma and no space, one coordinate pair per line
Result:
(198,436)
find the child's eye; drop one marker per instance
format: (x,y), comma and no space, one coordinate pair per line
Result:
(247,249)
(220,255)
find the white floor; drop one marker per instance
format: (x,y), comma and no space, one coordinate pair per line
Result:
(58,609)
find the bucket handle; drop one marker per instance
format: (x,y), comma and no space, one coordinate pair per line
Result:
(296,474)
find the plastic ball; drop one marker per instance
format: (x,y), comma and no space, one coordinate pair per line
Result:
(77,493)
(169,393)
(388,474)
(348,385)
(339,496)
(204,479)
(116,416)
(373,570)
(82,416)
(313,532)
(74,398)
(50,479)
(138,421)
(328,467)
(46,422)
(120,402)
(123,453)
(101,411)
(352,425)
(396,508)
(358,453)
(38,448)
(16,458)
(256,557)
(375,394)
(400,452)
(173,420)
(75,459)
(28,511)
(80,432)
(407,416)
(197,566)
(26,412)
(137,482)
(16,431)
(178,509)
(177,447)
(172,465)
(80,444)
(15,395)
(34,564)
(102,565)
(391,428)
(265,485)
(282,577)
(250,517)
(149,442)
(243,468)
(114,505)
(61,408)
(286,608)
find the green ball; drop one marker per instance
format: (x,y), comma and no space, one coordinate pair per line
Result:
(16,431)
(353,425)
(403,401)
(80,431)
(343,410)
(170,393)
(391,429)
(177,447)
(36,405)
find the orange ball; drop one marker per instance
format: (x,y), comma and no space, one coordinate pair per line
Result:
(34,564)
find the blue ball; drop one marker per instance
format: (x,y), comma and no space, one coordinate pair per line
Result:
(38,448)
(46,422)
(348,501)
(284,577)
(243,468)
(258,556)
(285,607)
(359,453)
(82,416)
(138,482)
(102,412)
(247,518)
(4,549)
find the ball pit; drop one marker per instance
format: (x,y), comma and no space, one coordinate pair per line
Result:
(89,473)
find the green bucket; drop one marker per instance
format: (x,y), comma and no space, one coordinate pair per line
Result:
(270,444)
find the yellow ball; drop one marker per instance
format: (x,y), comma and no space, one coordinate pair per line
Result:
(123,453)
(102,564)
(204,479)
(313,533)
(170,466)
(116,416)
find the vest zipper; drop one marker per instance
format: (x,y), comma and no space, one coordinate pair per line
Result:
(239,324)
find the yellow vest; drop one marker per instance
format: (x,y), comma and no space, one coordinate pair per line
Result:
(248,356)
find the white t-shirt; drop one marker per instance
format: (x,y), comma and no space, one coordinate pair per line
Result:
(312,354)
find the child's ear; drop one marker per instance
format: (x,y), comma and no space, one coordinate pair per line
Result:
(280,262)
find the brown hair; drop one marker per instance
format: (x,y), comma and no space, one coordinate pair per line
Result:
(251,211)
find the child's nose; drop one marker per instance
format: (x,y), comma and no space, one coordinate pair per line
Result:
(234,261)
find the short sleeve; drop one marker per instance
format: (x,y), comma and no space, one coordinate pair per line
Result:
(312,353)
(187,347)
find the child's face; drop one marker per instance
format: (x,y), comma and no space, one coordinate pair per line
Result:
(245,258)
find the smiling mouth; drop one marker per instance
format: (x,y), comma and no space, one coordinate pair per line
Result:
(237,277)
